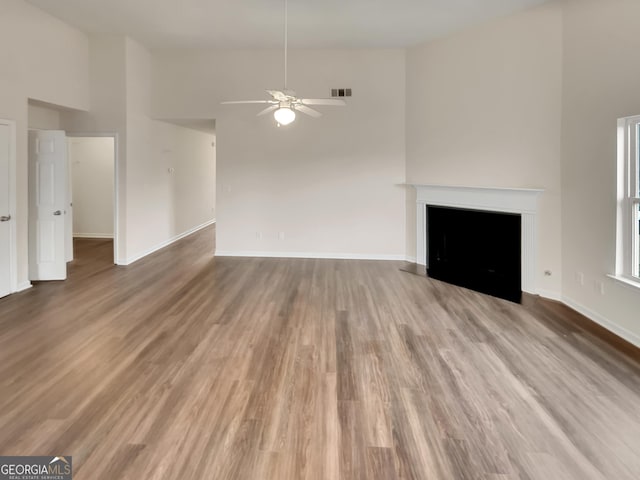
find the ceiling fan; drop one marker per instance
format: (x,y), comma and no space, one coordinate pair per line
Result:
(285,103)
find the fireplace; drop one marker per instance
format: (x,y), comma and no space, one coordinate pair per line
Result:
(519,201)
(475,249)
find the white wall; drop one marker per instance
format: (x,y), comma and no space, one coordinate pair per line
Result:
(154,206)
(43,118)
(161,204)
(601,84)
(484,109)
(107,114)
(92,173)
(43,59)
(331,185)
(191,156)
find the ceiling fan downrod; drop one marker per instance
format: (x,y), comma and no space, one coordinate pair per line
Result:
(286,40)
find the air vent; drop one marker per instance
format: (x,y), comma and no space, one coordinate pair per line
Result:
(340,92)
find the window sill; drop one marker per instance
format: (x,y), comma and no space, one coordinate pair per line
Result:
(627,282)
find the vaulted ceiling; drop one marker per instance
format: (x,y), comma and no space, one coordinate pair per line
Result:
(259,23)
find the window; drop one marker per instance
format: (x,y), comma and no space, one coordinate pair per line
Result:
(628,235)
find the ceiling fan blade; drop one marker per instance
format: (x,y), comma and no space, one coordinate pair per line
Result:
(323,101)
(235,102)
(309,111)
(267,110)
(278,95)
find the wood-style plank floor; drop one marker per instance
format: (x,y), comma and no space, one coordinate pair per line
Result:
(184,366)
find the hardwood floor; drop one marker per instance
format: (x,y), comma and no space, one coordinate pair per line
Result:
(185,366)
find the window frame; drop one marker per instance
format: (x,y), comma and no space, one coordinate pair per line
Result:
(628,196)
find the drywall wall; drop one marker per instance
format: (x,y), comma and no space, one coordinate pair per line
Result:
(43,118)
(484,109)
(170,169)
(319,187)
(107,114)
(92,179)
(190,158)
(43,59)
(601,78)
(148,193)
(155,206)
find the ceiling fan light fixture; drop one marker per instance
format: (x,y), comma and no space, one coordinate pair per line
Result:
(284,115)
(285,103)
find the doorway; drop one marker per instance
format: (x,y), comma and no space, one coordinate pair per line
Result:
(92,182)
(8,254)
(52,225)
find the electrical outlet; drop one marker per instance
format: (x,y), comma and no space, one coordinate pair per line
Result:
(281,235)
(580,278)
(258,235)
(598,287)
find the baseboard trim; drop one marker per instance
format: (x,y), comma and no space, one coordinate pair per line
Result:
(617,330)
(23,286)
(166,243)
(551,295)
(322,255)
(93,235)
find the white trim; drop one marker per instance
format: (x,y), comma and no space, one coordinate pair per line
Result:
(626,264)
(166,243)
(116,190)
(523,201)
(622,332)
(93,235)
(334,256)
(24,286)
(634,284)
(13,227)
(509,200)
(550,294)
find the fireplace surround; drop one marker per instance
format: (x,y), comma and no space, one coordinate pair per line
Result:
(522,201)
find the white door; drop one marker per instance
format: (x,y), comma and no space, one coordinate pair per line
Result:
(47,204)
(5,215)
(69,216)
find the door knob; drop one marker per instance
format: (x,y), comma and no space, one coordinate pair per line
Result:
(57,212)
(5,218)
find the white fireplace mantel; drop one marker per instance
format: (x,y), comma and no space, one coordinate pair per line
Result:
(523,201)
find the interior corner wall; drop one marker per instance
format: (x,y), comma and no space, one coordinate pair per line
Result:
(170,169)
(601,79)
(484,109)
(43,59)
(107,114)
(43,118)
(318,187)
(151,201)
(189,159)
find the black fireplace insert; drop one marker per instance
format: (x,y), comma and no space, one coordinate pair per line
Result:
(475,249)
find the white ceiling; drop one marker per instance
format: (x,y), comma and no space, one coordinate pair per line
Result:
(259,23)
